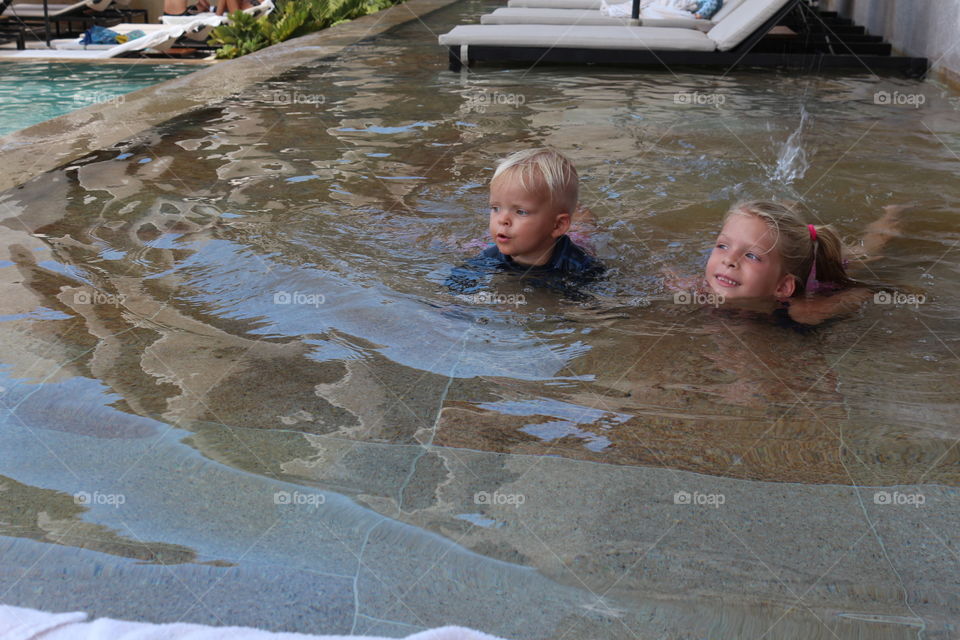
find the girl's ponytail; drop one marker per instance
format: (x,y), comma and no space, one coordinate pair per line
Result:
(826,263)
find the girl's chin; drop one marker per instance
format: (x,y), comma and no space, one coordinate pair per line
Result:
(726,292)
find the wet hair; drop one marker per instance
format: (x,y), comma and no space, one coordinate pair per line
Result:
(546,171)
(798,249)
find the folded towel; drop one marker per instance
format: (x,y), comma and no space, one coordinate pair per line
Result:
(17,623)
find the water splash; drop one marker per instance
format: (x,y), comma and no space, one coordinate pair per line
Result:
(792,162)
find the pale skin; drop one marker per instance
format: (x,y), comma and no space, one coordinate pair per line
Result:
(746,267)
(178,7)
(524,224)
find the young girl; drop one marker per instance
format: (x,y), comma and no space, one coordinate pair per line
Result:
(766,257)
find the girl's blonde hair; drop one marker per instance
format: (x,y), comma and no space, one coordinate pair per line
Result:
(812,254)
(545,170)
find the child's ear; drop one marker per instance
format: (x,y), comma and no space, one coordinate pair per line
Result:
(785,287)
(561,225)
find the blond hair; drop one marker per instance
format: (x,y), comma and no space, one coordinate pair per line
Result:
(801,250)
(543,170)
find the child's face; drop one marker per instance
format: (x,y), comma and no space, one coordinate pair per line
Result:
(745,262)
(523,224)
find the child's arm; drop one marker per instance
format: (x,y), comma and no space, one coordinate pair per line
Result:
(816,309)
(878,233)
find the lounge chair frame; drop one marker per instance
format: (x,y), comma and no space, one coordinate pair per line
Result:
(9,31)
(813,57)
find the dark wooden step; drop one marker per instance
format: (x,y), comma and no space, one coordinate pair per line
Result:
(867,48)
(852,30)
(861,38)
(838,22)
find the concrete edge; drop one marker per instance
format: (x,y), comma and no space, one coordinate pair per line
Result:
(45,146)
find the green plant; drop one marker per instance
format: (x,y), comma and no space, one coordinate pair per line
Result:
(289,19)
(242,35)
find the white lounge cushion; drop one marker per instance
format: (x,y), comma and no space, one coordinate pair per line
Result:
(556,4)
(587,17)
(569,37)
(522,15)
(743,21)
(678,23)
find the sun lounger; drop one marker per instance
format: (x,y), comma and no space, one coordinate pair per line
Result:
(738,26)
(583,17)
(155,40)
(731,42)
(516,14)
(35,10)
(158,38)
(10,32)
(204,23)
(86,12)
(556,4)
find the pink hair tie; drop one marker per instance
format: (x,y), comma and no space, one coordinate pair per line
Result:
(812,285)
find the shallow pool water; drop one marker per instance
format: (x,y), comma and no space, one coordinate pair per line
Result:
(32,92)
(232,338)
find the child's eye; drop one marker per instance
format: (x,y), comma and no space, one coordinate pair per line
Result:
(720,245)
(494,209)
(521,212)
(753,256)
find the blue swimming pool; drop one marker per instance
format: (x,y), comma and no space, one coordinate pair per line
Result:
(31,92)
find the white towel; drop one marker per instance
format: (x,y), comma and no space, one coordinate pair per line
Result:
(17,623)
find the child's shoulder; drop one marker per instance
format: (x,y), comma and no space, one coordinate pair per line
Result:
(571,258)
(813,310)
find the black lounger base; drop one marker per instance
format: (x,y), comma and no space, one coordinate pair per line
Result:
(911,67)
